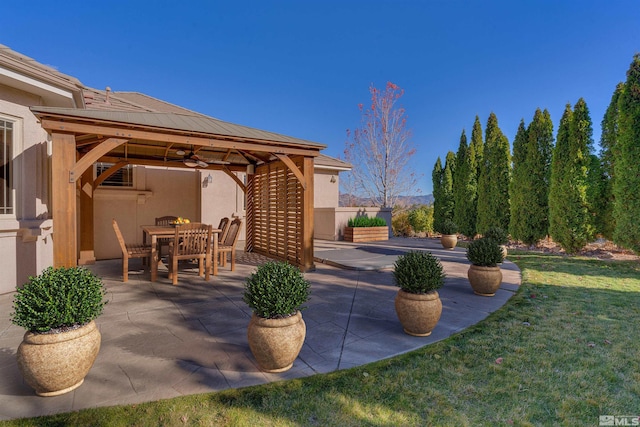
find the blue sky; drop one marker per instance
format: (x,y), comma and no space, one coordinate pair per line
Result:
(302,67)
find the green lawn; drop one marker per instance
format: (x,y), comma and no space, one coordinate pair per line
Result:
(562,351)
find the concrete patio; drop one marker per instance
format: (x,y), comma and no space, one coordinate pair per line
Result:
(161,341)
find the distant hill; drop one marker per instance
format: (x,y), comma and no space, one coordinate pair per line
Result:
(403,201)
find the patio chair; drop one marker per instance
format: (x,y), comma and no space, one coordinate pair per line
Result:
(191,241)
(130,250)
(229,244)
(224,226)
(164,241)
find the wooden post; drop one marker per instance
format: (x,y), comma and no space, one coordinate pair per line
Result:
(307,221)
(87,252)
(63,203)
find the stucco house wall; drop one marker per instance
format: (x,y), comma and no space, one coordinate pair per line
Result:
(26,240)
(25,236)
(222,198)
(326,189)
(156,193)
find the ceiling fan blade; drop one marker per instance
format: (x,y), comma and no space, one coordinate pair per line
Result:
(218,162)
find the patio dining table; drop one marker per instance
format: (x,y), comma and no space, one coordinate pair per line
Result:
(155,231)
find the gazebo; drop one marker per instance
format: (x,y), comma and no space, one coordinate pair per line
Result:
(279,168)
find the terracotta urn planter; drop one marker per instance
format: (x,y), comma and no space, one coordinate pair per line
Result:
(504,251)
(276,343)
(449,241)
(484,281)
(56,363)
(418,313)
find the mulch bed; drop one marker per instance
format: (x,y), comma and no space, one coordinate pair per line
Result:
(601,249)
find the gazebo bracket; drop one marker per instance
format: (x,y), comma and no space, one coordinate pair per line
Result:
(292,166)
(235,178)
(92,156)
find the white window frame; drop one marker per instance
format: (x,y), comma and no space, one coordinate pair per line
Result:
(16,150)
(109,183)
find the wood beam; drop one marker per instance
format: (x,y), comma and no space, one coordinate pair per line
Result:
(292,166)
(307,216)
(92,156)
(63,202)
(255,156)
(226,156)
(168,164)
(149,135)
(236,179)
(87,252)
(166,151)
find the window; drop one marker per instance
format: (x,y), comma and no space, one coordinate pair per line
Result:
(6,157)
(123,177)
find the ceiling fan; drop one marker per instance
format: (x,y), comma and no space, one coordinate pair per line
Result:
(192,160)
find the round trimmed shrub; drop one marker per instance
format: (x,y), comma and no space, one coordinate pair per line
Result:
(277,289)
(58,299)
(485,252)
(418,272)
(448,227)
(498,234)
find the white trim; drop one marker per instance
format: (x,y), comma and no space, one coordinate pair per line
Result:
(33,84)
(8,224)
(17,148)
(331,168)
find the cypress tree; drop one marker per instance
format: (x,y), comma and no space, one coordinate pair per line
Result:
(458,181)
(601,197)
(517,187)
(573,227)
(464,190)
(448,202)
(610,131)
(537,175)
(626,157)
(559,162)
(436,176)
(582,138)
(493,186)
(476,149)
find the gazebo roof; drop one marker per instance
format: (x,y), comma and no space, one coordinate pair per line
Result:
(176,122)
(162,139)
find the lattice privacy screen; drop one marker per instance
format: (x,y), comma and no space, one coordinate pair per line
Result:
(275,209)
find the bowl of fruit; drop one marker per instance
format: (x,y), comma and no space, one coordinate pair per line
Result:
(180,221)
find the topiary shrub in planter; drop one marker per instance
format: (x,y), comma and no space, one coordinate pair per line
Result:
(366,229)
(484,274)
(419,276)
(58,309)
(449,238)
(499,235)
(276,293)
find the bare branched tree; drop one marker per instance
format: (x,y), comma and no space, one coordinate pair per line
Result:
(348,189)
(380,149)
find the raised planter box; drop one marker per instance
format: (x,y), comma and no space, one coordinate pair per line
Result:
(366,234)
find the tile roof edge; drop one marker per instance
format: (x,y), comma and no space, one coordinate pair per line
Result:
(143,108)
(165,102)
(30,66)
